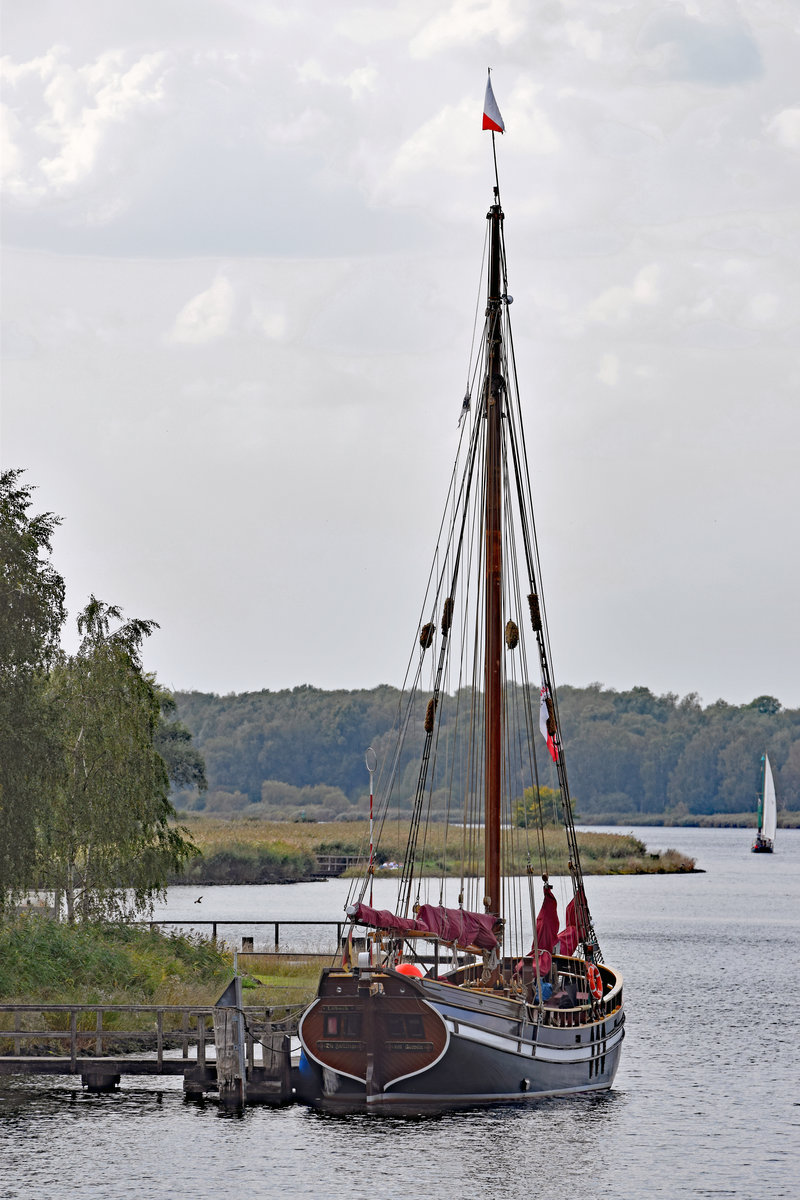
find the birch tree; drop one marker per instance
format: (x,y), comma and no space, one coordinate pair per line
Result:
(108,844)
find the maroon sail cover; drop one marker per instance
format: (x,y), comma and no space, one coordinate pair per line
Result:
(459,926)
(567,940)
(383,918)
(574,930)
(450,924)
(547,921)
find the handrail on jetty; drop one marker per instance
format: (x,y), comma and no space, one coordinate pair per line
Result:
(161,922)
(171,1027)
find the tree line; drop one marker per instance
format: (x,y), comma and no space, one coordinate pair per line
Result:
(299,753)
(90,744)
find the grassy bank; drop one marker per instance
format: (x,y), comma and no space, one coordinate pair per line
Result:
(247,850)
(42,960)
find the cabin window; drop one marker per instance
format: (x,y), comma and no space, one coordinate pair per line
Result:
(343,1025)
(405,1025)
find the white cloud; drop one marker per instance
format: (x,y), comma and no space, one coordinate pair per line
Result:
(359,82)
(588,41)
(764,307)
(451,130)
(608,371)
(616,305)
(469,21)
(207,316)
(272,322)
(56,144)
(784,127)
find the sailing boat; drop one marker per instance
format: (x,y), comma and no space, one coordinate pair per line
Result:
(461,994)
(767,813)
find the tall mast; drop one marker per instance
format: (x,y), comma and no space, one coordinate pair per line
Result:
(493,399)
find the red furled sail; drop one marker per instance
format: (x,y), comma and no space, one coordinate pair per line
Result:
(454,925)
(547,921)
(459,926)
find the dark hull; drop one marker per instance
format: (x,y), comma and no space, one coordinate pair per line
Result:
(762,846)
(479,1049)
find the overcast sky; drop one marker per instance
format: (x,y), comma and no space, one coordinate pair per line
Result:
(242,246)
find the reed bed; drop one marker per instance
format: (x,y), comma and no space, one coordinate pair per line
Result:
(300,843)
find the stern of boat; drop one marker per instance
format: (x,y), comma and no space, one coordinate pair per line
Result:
(367,1030)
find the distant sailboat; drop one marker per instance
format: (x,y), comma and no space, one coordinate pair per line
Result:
(767,813)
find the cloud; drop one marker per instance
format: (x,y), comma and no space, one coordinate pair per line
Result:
(784,127)
(588,42)
(57,143)
(608,371)
(616,305)
(467,22)
(207,317)
(360,82)
(680,47)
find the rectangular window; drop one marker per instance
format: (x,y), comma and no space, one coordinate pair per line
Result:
(346,1025)
(404,1025)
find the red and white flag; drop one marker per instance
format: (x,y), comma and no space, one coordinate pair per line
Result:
(491,113)
(544,714)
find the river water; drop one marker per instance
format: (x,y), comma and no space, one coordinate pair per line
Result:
(706,1102)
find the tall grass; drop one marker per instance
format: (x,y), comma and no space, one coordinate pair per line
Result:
(253,850)
(42,960)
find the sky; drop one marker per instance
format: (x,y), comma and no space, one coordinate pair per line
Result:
(241,258)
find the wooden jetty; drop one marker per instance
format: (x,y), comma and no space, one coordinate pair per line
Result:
(251,1060)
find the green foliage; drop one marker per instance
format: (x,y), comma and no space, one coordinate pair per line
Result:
(88,743)
(629,752)
(41,960)
(107,845)
(173,741)
(31,616)
(540,807)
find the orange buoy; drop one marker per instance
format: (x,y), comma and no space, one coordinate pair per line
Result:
(410,969)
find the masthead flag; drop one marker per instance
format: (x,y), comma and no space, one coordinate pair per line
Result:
(491,113)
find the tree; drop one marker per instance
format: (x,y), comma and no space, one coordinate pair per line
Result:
(768,705)
(173,741)
(545,808)
(31,616)
(108,845)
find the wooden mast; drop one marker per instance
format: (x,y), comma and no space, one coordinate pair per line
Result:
(493,393)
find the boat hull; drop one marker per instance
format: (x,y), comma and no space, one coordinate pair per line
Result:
(762,846)
(475,1049)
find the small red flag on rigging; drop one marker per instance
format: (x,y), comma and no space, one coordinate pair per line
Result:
(547,724)
(491,113)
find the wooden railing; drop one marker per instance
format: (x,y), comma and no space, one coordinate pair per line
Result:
(177,1026)
(216,925)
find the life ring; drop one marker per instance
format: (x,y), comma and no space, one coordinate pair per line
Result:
(595,981)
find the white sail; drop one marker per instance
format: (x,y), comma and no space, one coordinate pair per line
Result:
(770,819)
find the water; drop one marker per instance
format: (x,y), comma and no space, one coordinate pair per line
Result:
(706,1102)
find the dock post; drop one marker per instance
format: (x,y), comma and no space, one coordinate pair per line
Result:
(229,1043)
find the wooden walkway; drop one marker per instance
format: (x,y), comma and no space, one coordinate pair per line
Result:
(90,1039)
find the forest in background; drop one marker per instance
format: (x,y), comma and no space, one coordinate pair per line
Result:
(298,754)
